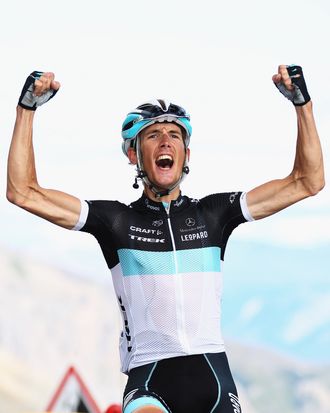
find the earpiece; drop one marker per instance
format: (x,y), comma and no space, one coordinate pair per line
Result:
(140,175)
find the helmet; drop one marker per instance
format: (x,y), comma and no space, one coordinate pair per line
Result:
(151,112)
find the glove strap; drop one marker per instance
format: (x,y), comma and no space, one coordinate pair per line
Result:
(299,95)
(28,100)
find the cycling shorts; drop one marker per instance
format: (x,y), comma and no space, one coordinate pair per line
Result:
(199,383)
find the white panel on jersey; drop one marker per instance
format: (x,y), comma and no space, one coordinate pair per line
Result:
(160,323)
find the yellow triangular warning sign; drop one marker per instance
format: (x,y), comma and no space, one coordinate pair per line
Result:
(72,395)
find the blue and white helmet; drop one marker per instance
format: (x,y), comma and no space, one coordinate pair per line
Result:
(157,110)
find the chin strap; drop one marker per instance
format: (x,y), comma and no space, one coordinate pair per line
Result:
(159,192)
(142,175)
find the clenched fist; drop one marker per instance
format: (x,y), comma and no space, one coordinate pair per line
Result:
(291,83)
(39,87)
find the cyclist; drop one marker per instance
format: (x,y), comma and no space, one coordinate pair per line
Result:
(165,250)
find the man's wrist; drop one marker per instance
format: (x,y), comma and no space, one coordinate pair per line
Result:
(307,108)
(24,113)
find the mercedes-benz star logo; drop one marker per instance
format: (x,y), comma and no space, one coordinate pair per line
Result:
(190,222)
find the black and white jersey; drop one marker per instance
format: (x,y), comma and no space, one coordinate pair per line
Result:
(166,263)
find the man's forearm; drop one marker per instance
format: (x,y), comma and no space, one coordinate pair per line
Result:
(21,166)
(308,165)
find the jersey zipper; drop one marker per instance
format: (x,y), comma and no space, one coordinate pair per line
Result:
(178,291)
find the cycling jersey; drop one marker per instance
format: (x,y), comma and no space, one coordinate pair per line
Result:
(166,264)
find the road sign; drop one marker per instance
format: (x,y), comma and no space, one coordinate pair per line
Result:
(72,395)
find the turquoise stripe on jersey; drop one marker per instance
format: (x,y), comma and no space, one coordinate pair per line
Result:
(199,260)
(136,262)
(142,402)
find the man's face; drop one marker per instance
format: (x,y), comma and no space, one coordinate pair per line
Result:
(163,153)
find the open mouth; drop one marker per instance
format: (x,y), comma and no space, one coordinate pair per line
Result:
(164,161)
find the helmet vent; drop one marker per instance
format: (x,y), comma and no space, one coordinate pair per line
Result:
(163,105)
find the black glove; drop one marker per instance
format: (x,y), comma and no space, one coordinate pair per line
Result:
(299,95)
(27,99)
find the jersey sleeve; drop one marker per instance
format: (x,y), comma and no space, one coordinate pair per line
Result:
(227,210)
(232,206)
(245,208)
(84,210)
(96,217)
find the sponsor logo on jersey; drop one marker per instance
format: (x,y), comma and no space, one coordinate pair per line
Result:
(145,230)
(154,208)
(178,203)
(126,330)
(158,223)
(146,239)
(194,236)
(190,222)
(232,197)
(191,229)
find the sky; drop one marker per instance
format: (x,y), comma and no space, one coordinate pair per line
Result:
(215,58)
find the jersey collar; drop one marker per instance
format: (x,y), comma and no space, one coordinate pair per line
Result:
(147,204)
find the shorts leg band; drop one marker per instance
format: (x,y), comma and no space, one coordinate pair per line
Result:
(144,401)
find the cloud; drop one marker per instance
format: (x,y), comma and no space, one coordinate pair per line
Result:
(307,320)
(304,230)
(250,309)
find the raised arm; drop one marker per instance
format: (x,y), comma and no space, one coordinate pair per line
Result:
(307,176)
(23,189)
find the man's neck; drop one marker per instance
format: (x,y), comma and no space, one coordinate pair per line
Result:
(166,198)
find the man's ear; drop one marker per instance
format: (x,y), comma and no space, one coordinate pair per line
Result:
(188,154)
(132,156)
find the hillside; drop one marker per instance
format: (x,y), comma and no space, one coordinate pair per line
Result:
(48,321)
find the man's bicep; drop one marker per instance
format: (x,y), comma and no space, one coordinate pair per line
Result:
(55,206)
(273,196)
